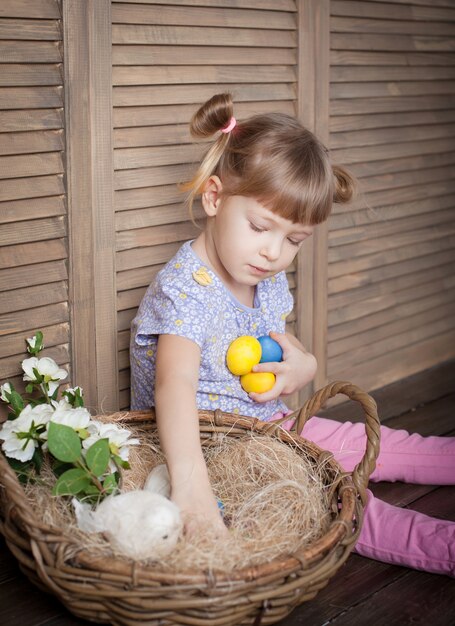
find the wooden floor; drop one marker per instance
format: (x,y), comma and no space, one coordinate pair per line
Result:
(363,592)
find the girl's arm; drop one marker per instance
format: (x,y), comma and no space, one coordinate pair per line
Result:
(296,370)
(177,375)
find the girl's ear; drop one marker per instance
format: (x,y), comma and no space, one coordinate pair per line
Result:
(211,196)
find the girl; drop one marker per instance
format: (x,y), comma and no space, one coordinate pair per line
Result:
(265,183)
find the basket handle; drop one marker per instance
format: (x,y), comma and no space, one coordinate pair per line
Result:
(366,465)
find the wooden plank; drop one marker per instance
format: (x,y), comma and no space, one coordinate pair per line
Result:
(30,52)
(36,274)
(181,74)
(354,280)
(411,304)
(35,187)
(137,277)
(203,17)
(124,319)
(90,202)
(405,178)
(178,94)
(386,342)
(146,176)
(42,9)
(198,55)
(26,75)
(361,73)
(374,137)
(151,136)
(30,97)
(34,119)
(35,141)
(432,3)
(31,165)
(392,11)
(155,216)
(394,103)
(33,230)
(386,257)
(156,235)
(25,29)
(364,57)
(130,299)
(405,43)
(129,259)
(28,253)
(361,25)
(394,366)
(385,120)
(201,36)
(181,113)
(145,197)
(20,321)
(273,5)
(390,88)
(32,297)
(361,296)
(11,366)
(403,164)
(130,158)
(20,210)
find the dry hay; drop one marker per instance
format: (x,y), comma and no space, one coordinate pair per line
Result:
(276,501)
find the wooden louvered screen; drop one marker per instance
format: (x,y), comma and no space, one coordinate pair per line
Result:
(33,248)
(391,297)
(167,59)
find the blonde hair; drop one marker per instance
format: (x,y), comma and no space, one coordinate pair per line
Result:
(271,158)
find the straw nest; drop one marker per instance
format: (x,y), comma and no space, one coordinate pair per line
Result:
(275,502)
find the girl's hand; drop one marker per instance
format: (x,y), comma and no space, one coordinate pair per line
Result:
(296,370)
(199,509)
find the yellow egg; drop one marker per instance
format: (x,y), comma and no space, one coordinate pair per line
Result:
(243,354)
(257,382)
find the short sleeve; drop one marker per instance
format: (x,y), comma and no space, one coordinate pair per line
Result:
(170,308)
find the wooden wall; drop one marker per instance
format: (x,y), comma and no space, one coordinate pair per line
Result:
(33,225)
(89,205)
(391,296)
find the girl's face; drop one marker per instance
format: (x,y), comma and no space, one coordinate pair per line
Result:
(246,242)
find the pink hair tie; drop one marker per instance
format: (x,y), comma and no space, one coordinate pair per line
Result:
(230,126)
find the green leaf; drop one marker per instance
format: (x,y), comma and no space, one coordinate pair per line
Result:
(120,462)
(110,483)
(38,459)
(71,482)
(17,402)
(97,456)
(29,388)
(64,443)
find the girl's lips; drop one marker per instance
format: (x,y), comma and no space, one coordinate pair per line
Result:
(259,271)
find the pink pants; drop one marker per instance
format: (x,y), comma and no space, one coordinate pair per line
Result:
(389,533)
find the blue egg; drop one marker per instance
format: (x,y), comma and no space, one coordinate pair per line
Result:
(271,350)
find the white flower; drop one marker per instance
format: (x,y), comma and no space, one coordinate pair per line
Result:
(4,389)
(25,433)
(46,367)
(119,439)
(31,341)
(77,418)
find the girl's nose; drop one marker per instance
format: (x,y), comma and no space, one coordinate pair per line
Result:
(272,249)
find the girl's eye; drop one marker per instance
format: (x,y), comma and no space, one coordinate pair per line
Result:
(294,243)
(256,228)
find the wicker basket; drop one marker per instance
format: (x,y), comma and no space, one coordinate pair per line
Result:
(119,591)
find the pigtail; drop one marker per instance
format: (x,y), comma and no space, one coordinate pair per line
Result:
(211,118)
(345,185)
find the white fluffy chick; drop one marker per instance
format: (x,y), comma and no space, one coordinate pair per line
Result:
(139,524)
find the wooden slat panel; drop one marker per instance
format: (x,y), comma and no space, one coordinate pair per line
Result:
(416,162)
(385,120)
(384,89)
(28,253)
(34,119)
(20,29)
(396,103)
(30,97)
(155,216)
(355,280)
(365,57)
(405,178)
(137,277)
(31,165)
(20,210)
(170,174)
(19,321)
(30,52)
(11,345)
(35,187)
(36,274)
(195,16)
(181,74)
(25,75)
(145,197)
(181,114)
(436,3)
(176,94)
(24,8)
(130,158)
(405,43)
(200,36)
(393,11)
(28,142)
(360,25)
(129,259)
(392,151)
(156,235)
(274,5)
(33,230)
(32,297)
(11,367)
(379,136)
(194,55)
(345,74)
(130,299)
